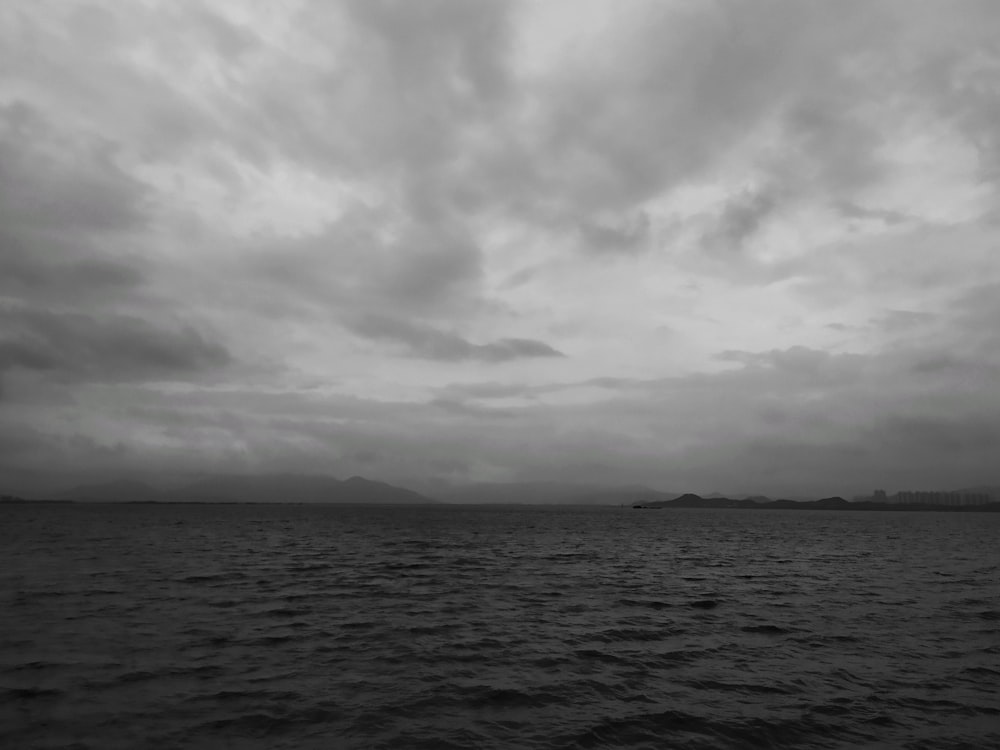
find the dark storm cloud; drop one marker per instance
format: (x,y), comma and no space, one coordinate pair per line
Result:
(431,343)
(281,173)
(62,183)
(783,422)
(941,434)
(423,270)
(106,347)
(423,79)
(740,219)
(65,208)
(422,42)
(56,275)
(629,235)
(691,82)
(433,264)
(434,76)
(978,311)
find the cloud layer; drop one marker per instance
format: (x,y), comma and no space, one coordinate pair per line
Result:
(746,247)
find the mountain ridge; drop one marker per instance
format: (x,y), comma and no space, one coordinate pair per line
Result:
(255,488)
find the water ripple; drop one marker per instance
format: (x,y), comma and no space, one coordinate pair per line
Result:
(311,627)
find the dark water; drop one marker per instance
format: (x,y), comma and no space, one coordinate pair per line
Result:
(336,627)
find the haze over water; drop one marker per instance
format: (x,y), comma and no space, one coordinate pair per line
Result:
(520,627)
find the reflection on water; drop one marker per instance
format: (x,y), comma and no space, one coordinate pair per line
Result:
(341,627)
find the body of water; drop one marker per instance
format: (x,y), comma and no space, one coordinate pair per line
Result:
(237,626)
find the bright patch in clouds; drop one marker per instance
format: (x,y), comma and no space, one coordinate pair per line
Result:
(701,245)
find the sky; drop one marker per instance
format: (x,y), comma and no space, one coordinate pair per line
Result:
(736,246)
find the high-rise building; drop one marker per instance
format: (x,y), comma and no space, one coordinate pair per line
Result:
(942,498)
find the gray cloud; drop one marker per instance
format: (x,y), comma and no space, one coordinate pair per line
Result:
(41,188)
(489,390)
(387,165)
(783,422)
(63,277)
(690,83)
(854,211)
(628,235)
(914,434)
(66,212)
(800,361)
(740,219)
(430,343)
(109,347)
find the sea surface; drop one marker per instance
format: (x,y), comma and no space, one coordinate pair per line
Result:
(270,626)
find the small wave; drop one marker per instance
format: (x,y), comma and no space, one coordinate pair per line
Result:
(549,662)
(284,612)
(703,604)
(138,676)
(614,635)
(226,696)
(743,687)
(202,671)
(764,629)
(637,730)
(312,596)
(359,625)
(36,665)
(202,578)
(275,640)
(481,644)
(650,729)
(590,654)
(258,724)
(644,603)
(27,694)
(433,629)
(506,698)
(880,720)
(981,672)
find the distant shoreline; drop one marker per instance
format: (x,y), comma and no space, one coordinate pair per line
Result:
(704,504)
(723,504)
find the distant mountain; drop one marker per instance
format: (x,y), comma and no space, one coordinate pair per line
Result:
(269,488)
(507,492)
(835,502)
(691,500)
(543,493)
(627,495)
(119,491)
(296,488)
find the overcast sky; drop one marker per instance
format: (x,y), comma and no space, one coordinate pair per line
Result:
(736,246)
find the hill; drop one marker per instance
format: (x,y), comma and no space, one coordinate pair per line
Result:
(269,488)
(296,488)
(544,493)
(118,491)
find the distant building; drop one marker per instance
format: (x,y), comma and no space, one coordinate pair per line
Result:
(879,496)
(940,498)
